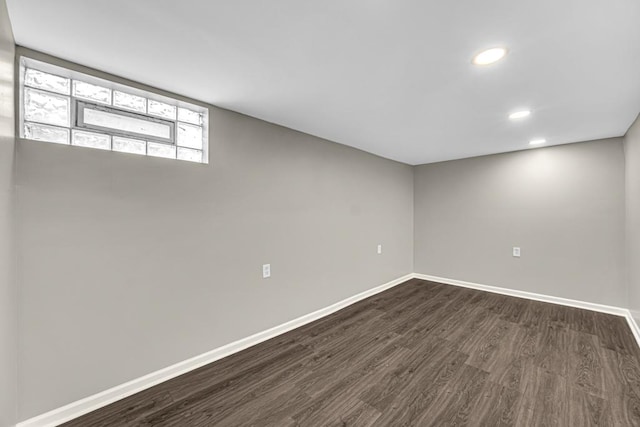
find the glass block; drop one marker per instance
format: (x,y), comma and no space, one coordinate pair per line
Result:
(189,155)
(189,116)
(91,140)
(130,102)
(161,150)
(41,80)
(39,132)
(92,92)
(161,109)
(189,136)
(124,123)
(128,145)
(45,107)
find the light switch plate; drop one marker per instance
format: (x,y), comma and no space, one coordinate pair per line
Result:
(266,271)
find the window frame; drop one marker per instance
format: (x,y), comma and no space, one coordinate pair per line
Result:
(78,104)
(81,105)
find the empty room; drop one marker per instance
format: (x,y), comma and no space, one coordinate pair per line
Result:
(319,213)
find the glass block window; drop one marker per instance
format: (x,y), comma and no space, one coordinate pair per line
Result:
(65,107)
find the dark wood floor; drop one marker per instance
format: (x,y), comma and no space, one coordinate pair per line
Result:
(420,354)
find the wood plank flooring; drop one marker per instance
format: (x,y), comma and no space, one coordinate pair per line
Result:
(420,354)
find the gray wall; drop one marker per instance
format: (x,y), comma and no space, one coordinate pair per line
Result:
(8,290)
(564,206)
(129,264)
(632,156)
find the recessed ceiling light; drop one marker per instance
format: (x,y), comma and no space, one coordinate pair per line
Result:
(537,141)
(519,114)
(489,56)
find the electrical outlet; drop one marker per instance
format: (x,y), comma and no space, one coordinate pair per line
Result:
(516,252)
(266,271)
(379,249)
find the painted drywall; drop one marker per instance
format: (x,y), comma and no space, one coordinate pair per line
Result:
(563,206)
(129,264)
(8,288)
(632,197)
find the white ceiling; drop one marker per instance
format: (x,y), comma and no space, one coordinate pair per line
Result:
(390,77)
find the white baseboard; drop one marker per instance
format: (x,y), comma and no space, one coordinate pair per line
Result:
(99,400)
(528,295)
(540,297)
(634,326)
